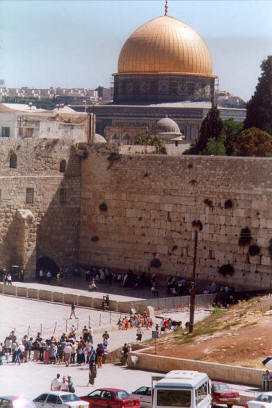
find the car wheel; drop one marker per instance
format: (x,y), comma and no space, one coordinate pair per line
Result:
(229,405)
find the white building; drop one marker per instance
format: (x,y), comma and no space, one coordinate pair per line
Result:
(24,121)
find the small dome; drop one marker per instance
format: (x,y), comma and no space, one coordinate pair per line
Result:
(167,125)
(99,138)
(165,45)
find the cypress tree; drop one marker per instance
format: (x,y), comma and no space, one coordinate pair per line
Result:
(259,107)
(211,127)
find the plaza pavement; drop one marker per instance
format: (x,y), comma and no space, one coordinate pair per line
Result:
(30,316)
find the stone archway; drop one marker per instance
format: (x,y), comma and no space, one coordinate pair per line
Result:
(46,263)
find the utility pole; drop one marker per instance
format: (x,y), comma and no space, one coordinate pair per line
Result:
(197,226)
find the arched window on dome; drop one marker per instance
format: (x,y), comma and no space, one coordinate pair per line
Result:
(62,166)
(115,138)
(12,160)
(126,139)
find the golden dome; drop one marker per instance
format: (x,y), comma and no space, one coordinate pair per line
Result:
(165,45)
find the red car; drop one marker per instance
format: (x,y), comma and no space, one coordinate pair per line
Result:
(111,398)
(223,394)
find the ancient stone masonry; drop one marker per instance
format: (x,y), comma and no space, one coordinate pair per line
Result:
(39,203)
(135,209)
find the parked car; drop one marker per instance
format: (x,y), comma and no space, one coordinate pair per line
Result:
(144,394)
(56,398)
(111,397)
(15,402)
(264,400)
(223,394)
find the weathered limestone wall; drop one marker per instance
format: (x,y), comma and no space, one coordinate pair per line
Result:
(50,228)
(151,202)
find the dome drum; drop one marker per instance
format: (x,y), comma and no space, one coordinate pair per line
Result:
(152,88)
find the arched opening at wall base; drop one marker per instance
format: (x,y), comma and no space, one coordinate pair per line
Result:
(45,263)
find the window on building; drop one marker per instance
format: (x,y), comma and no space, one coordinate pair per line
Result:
(21,131)
(29,195)
(29,132)
(115,138)
(127,139)
(62,167)
(62,196)
(13,161)
(5,132)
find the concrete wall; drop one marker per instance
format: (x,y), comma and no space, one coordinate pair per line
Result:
(220,372)
(151,202)
(165,304)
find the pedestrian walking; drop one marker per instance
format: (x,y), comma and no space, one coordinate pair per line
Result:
(9,279)
(92,367)
(139,334)
(100,355)
(73,308)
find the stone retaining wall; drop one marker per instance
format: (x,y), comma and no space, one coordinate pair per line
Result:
(140,306)
(149,205)
(220,372)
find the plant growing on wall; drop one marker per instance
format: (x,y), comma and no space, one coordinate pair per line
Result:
(228,204)
(155,263)
(254,250)
(270,248)
(113,157)
(208,202)
(245,237)
(103,207)
(226,269)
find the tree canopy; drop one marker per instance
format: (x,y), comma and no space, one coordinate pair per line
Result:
(252,142)
(259,107)
(211,128)
(151,141)
(231,129)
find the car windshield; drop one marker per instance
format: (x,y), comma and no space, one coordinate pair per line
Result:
(264,398)
(4,403)
(221,387)
(69,398)
(174,398)
(121,394)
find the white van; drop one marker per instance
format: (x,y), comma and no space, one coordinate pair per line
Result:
(182,389)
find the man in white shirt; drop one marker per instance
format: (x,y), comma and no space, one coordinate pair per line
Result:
(56,383)
(67,351)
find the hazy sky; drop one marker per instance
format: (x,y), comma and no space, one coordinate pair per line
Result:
(77,43)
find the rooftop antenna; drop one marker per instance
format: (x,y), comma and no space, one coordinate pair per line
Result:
(166,8)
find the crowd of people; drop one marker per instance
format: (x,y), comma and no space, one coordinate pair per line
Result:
(135,320)
(68,349)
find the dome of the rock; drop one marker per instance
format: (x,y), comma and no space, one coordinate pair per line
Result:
(165,45)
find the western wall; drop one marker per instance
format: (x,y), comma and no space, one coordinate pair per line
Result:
(139,208)
(39,204)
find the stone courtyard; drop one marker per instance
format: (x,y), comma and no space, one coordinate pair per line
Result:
(31,316)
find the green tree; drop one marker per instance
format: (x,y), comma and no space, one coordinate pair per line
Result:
(215,147)
(211,128)
(253,142)
(259,108)
(231,130)
(151,141)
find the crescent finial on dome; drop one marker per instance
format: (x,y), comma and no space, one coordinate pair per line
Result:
(166,7)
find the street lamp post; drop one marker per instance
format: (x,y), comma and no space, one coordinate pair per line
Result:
(197,226)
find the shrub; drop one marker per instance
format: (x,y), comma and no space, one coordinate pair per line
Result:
(245,237)
(226,269)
